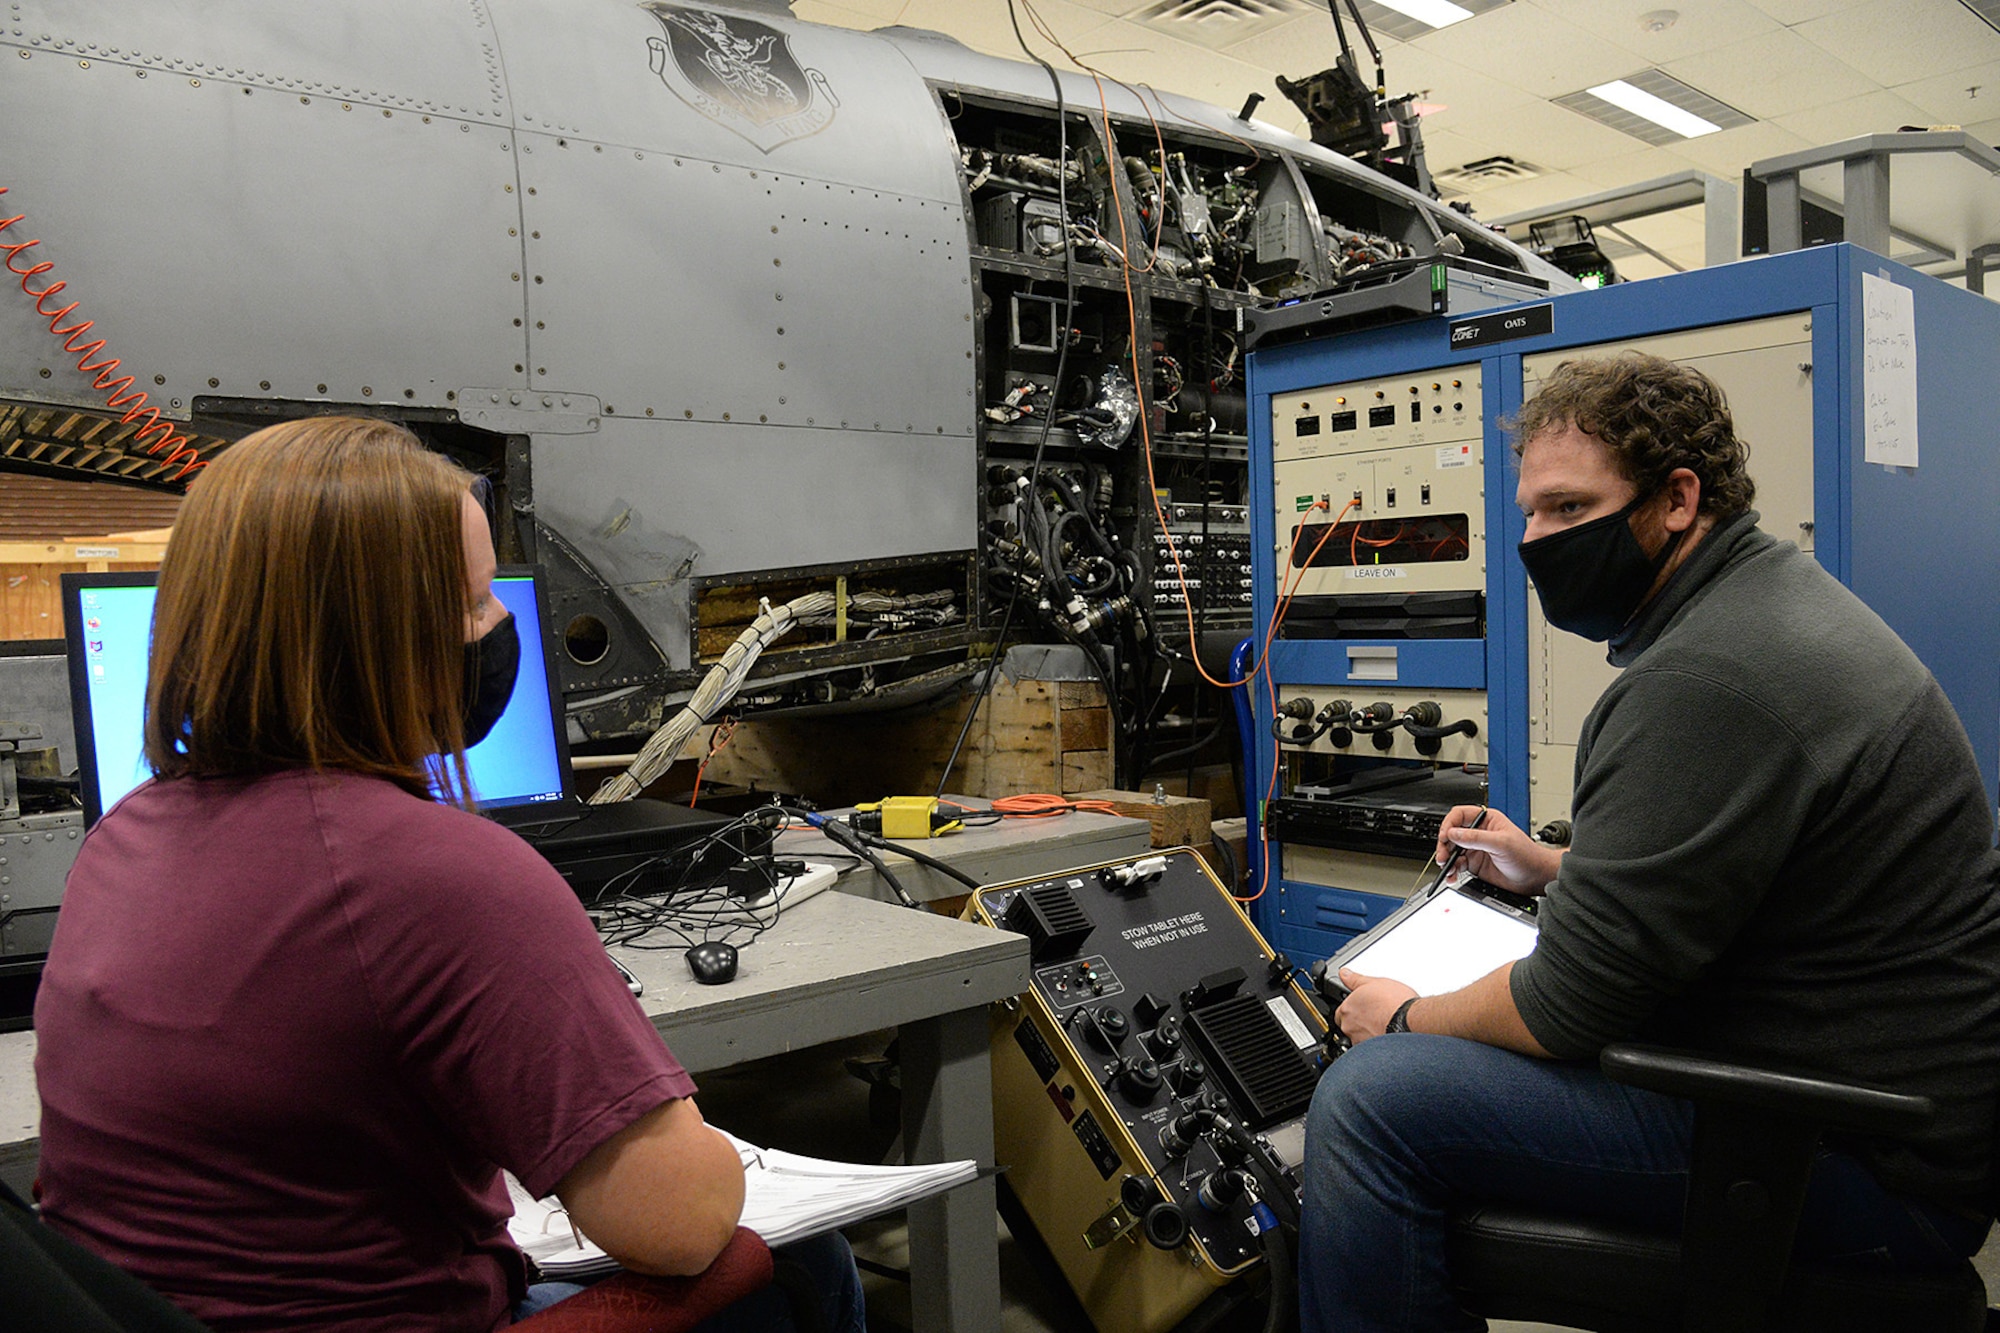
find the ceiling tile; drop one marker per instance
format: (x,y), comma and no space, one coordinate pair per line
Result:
(1870,113)
(1956,98)
(1539,192)
(1474,103)
(1728,153)
(1671,230)
(1306,45)
(1771,75)
(1798,11)
(1453,148)
(1635,264)
(1986,131)
(1637,268)
(1534,50)
(1631,168)
(1555,136)
(1122,51)
(850,13)
(1699,27)
(986,27)
(1896,43)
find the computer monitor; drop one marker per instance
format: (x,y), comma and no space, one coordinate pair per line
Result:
(520,771)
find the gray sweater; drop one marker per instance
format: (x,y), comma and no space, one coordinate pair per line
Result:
(1783,855)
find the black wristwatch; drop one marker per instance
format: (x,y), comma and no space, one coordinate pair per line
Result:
(1400,1020)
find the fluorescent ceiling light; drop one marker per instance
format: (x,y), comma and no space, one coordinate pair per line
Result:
(1656,109)
(1437,13)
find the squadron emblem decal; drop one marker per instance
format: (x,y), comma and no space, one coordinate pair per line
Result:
(741,74)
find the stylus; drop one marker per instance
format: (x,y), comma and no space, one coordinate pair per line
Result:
(1457,850)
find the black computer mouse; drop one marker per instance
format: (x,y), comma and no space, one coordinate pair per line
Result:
(712,962)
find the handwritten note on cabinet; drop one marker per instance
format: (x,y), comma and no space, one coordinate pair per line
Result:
(1888,372)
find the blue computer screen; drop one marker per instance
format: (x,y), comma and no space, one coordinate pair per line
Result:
(519,762)
(117,637)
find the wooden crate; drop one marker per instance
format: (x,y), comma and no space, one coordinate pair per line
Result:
(31,576)
(1030,736)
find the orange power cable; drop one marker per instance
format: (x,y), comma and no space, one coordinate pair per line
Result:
(718,737)
(1042,805)
(1284,604)
(1146,440)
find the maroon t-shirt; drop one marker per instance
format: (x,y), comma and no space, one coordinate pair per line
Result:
(290,1029)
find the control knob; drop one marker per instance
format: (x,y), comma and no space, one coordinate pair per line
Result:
(1107,1026)
(1139,1079)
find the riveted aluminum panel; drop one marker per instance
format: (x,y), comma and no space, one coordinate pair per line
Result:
(655,504)
(436,56)
(222,231)
(721,85)
(744,244)
(690,289)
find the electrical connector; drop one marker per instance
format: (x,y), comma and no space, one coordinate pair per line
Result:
(907,817)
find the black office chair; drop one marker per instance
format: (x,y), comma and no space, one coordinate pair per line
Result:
(1729,1270)
(48,1281)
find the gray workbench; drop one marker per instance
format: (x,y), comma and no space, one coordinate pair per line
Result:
(836,966)
(839,966)
(990,853)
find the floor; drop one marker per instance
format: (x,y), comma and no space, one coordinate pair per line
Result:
(827,1113)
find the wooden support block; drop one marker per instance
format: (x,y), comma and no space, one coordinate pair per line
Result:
(1085,728)
(1085,770)
(1079,694)
(1181,822)
(1235,835)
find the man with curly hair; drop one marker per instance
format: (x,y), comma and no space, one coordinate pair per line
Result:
(1782,855)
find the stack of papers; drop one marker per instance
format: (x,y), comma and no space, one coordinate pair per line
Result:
(785,1197)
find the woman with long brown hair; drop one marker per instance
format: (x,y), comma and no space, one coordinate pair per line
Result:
(303,1006)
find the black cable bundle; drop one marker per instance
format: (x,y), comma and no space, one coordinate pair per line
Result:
(683,897)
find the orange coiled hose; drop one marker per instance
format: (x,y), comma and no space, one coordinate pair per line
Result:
(118,389)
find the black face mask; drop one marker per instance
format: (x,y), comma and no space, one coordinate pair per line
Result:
(490,666)
(1592,577)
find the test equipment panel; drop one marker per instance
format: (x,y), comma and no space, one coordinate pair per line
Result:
(1412,669)
(1150,1087)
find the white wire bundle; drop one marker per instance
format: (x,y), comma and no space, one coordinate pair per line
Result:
(717,688)
(876,601)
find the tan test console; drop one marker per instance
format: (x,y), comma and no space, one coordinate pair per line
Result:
(1150,1087)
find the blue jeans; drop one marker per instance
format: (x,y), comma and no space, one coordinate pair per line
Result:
(825,1258)
(1404,1128)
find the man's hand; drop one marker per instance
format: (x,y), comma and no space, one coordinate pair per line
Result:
(1371,1002)
(1498,851)
(1483,1011)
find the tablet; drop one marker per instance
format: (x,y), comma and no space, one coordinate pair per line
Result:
(1446,941)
